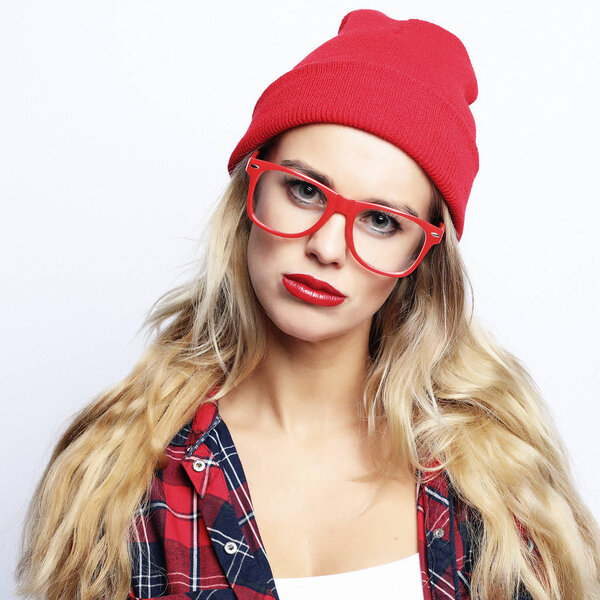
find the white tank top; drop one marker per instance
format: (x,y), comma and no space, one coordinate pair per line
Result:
(396,580)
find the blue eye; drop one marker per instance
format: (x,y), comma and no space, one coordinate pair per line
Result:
(381,219)
(302,190)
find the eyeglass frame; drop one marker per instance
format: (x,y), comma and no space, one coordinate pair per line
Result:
(340,204)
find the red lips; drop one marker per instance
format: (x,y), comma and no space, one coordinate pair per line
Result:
(316,284)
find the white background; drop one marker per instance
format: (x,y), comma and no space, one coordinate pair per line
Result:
(117,121)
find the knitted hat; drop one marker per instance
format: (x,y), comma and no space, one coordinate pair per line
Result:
(408,82)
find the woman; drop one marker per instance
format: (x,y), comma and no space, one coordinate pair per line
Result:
(390,447)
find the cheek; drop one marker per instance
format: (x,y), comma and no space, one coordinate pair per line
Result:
(264,257)
(256,250)
(375,290)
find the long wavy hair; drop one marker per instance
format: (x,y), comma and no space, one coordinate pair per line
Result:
(438,385)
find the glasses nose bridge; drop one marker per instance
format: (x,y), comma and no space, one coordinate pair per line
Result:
(338,204)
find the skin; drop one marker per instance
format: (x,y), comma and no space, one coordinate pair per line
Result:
(316,360)
(294,419)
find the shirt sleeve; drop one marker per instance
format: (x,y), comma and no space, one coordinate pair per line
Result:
(146,544)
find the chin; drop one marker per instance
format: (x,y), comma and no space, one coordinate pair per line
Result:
(308,329)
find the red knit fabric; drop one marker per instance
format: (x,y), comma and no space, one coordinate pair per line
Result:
(408,82)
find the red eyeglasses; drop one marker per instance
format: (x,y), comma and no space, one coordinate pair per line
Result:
(381,238)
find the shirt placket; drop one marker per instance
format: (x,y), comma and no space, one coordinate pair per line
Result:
(232,549)
(439,524)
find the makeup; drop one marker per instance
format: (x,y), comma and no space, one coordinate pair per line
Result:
(307,288)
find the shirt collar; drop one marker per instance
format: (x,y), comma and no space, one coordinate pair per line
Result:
(194,433)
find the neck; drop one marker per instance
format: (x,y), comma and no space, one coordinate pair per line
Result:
(303,389)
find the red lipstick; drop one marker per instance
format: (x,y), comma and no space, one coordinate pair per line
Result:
(307,288)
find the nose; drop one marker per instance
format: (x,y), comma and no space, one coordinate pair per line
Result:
(328,243)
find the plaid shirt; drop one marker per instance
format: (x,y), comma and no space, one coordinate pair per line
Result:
(197,536)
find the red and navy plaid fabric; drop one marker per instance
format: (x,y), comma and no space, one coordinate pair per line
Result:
(197,536)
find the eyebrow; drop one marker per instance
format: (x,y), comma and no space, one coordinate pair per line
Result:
(306,169)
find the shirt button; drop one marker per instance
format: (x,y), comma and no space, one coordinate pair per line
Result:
(231,547)
(199,465)
(438,533)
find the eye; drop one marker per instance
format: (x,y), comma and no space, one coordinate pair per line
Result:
(303,190)
(382,221)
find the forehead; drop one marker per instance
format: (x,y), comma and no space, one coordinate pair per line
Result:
(359,164)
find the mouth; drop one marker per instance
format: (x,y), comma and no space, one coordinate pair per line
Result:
(307,288)
(315,284)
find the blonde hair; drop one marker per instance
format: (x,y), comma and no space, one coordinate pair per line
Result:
(455,395)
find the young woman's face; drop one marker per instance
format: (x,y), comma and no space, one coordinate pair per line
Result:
(360,166)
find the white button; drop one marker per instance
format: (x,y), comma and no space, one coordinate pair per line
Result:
(199,465)
(231,548)
(438,533)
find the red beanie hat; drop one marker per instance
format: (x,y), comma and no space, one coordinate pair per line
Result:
(408,82)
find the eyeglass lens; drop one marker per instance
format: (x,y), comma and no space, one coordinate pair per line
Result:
(384,240)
